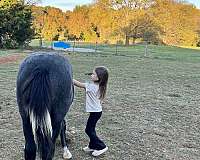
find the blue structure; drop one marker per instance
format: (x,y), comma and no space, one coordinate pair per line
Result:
(61,45)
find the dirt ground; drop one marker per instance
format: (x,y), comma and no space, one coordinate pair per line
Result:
(9,59)
(151,111)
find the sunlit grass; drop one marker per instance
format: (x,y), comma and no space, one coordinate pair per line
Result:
(190,47)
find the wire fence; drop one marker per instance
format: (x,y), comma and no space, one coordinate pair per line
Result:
(170,53)
(100,48)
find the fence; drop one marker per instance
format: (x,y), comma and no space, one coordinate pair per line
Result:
(101,48)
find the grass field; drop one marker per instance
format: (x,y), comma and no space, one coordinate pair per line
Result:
(151,111)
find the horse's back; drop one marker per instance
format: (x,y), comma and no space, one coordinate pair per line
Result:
(60,75)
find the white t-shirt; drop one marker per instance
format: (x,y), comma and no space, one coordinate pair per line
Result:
(93,103)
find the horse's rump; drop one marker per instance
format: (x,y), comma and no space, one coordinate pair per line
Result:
(59,79)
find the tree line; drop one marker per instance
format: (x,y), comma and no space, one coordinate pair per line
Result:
(170,22)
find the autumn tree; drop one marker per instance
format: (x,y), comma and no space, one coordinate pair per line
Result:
(145,27)
(101,16)
(49,22)
(78,23)
(127,11)
(178,21)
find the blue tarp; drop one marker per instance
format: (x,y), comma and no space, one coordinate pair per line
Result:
(61,45)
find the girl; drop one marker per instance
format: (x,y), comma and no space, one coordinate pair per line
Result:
(95,93)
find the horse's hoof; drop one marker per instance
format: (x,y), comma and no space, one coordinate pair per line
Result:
(67,154)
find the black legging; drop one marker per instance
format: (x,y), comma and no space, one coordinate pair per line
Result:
(95,142)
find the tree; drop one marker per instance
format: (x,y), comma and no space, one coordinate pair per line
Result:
(101,16)
(127,11)
(144,26)
(78,23)
(50,23)
(16,24)
(177,20)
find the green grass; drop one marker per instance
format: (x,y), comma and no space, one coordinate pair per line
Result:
(157,52)
(151,111)
(6,52)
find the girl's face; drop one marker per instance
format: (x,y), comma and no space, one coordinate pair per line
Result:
(94,76)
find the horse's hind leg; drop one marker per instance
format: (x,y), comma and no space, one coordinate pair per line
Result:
(66,154)
(30,146)
(56,127)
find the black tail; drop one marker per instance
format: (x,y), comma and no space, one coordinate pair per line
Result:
(37,96)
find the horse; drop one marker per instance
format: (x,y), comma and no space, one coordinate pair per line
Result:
(45,92)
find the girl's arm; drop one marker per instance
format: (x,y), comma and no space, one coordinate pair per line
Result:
(78,84)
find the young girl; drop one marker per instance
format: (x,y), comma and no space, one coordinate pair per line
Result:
(95,93)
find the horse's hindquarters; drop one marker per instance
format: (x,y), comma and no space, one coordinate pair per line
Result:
(44,87)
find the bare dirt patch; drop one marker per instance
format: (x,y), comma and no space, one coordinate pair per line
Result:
(10,58)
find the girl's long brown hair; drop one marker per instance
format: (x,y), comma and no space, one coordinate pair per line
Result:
(102,74)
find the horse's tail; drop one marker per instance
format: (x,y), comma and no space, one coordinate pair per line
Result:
(37,95)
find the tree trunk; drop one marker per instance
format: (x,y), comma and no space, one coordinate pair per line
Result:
(146,49)
(74,45)
(134,40)
(127,40)
(40,41)
(96,46)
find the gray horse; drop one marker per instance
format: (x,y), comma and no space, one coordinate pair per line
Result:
(45,92)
